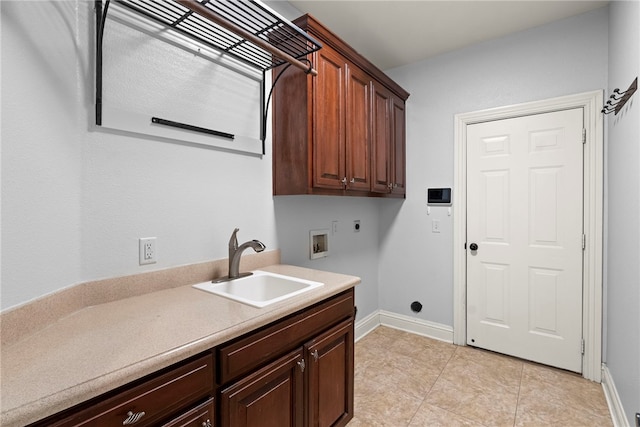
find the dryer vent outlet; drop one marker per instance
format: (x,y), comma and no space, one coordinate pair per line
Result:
(416,307)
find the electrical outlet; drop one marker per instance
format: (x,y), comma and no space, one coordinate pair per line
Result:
(435,225)
(147,246)
(334,227)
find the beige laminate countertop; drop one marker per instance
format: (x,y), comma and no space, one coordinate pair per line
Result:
(101,347)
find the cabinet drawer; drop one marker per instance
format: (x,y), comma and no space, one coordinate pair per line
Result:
(257,348)
(158,398)
(200,416)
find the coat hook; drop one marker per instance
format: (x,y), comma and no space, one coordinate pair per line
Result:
(618,98)
(616,92)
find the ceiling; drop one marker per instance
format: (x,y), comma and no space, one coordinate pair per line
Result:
(391,33)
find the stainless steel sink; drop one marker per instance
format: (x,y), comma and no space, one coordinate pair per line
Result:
(260,289)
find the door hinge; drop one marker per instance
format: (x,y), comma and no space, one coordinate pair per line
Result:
(584,242)
(582,346)
(584,135)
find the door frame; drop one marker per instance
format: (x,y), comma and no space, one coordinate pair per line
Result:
(593,204)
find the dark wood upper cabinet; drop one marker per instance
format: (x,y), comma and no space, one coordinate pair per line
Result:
(398,146)
(388,142)
(329,117)
(341,132)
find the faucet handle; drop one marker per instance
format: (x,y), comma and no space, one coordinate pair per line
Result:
(233,241)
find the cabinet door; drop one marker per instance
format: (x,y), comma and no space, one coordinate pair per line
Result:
(358,130)
(329,120)
(382,155)
(330,377)
(270,397)
(398,146)
(200,416)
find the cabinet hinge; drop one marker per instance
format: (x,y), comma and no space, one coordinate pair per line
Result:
(584,242)
(582,346)
(584,135)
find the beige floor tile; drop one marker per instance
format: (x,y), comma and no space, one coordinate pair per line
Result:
(432,416)
(474,381)
(477,366)
(491,406)
(557,397)
(403,380)
(381,403)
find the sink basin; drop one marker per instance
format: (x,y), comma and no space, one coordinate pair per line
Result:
(260,289)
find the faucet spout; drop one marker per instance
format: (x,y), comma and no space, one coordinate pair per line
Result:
(235,252)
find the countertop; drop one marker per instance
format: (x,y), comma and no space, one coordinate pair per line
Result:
(101,347)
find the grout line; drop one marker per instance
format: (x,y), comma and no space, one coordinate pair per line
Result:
(431,388)
(515,415)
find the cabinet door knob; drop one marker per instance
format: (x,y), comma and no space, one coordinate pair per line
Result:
(352,180)
(315,355)
(132,418)
(302,365)
(206,423)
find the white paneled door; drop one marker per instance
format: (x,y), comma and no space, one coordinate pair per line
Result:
(525,237)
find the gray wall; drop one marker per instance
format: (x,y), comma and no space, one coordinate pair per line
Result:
(623,247)
(75,198)
(562,58)
(350,252)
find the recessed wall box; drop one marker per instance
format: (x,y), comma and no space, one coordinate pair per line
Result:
(439,196)
(318,244)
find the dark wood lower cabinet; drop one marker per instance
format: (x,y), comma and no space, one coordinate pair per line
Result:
(159,399)
(200,416)
(330,377)
(271,397)
(295,372)
(274,396)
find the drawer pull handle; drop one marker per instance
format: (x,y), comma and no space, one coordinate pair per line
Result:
(132,418)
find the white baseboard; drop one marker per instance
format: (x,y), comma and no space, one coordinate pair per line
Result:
(613,400)
(405,323)
(366,325)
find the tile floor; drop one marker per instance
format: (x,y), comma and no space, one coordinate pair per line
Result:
(403,379)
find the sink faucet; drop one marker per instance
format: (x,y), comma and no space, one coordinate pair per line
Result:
(235,252)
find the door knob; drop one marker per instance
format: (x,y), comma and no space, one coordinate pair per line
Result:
(473,247)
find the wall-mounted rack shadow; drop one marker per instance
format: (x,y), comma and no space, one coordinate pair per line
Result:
(246,30)
(618,99)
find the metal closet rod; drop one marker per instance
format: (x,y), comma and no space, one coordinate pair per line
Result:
(204,11)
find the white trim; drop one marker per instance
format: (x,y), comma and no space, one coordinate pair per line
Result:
(366,325)
(613,399)
(421,327)
(591,103)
